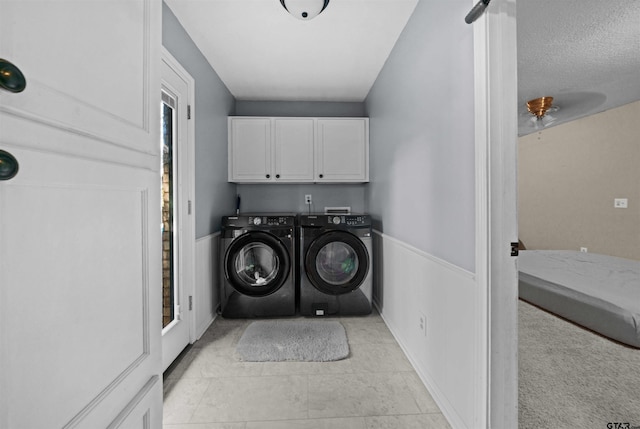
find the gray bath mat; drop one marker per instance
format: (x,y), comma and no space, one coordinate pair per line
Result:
(293,340)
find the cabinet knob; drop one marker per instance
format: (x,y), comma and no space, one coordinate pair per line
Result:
(268,176)
(320,176)
(277,176)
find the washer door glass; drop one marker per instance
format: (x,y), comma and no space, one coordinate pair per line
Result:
(337,263)
(256,264)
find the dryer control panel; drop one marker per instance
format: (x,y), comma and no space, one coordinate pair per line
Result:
(351,220)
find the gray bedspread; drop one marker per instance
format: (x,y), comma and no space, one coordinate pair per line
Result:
(599,292)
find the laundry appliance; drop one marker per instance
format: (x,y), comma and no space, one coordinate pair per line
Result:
(336,273)
(257,264)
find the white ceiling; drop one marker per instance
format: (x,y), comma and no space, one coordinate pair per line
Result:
(261,52)
(584,53)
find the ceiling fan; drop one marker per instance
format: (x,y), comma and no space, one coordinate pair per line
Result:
(539,108)
(539,113)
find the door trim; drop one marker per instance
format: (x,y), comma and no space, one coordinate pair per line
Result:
(495,64)
(186,199)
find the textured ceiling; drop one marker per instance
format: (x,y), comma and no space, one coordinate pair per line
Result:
(584,53)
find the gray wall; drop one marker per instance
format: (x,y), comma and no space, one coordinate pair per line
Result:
(214,197)
(421,111)
(290,198)
(299,108)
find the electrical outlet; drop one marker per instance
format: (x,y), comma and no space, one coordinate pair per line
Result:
(620,203)
(422,323)
(307,199)
(584,249)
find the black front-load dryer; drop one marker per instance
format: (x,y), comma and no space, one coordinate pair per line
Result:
(335,265)
(257,266)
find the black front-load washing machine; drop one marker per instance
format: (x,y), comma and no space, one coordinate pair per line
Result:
(335,265)
(257,254)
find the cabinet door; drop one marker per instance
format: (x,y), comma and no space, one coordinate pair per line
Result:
(342,150)
(250,150)
(294,150)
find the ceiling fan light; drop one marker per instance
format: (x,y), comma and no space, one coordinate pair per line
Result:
(539,106)
(304,9)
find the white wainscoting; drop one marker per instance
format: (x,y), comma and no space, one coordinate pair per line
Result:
(449,358)
(206,295)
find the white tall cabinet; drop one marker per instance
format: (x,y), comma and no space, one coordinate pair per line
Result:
(298,150)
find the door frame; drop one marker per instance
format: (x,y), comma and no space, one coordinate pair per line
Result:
(186,199)
(496,136)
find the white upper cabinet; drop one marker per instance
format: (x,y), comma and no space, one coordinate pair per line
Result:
(250,150)
(342,150)
(293,149)
(298,150)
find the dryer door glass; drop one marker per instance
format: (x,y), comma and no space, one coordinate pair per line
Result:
(256,264)
(337,263)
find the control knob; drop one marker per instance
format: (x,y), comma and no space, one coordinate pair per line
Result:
(257,221)
(336,220)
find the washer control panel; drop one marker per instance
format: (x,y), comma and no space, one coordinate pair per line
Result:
(270,220)
(240,221)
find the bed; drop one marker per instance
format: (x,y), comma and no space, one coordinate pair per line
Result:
(599,292)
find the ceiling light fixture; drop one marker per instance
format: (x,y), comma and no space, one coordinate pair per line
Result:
(304,9)
(539,107)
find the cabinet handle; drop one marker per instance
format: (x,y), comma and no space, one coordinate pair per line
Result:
(320,176)
(268,176)
(277,176)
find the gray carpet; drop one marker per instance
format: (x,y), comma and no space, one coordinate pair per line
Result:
(570,377)
(293,340)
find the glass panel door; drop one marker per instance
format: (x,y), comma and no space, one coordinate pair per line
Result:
(167,207)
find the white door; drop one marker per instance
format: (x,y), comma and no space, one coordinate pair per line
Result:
(79,242)
(178,234)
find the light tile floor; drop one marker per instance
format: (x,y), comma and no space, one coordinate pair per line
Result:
(209,387)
